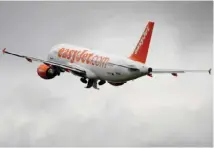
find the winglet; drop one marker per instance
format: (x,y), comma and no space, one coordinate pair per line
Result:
(210,71)
(4,51)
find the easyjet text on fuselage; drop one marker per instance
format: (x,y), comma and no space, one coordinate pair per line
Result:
(83,56)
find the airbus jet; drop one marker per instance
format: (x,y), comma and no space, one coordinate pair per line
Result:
(95,67)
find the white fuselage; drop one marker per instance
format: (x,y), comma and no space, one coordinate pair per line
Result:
(97,65)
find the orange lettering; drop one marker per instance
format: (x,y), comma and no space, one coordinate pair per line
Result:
(103,62)
(94,59)
(106,61)
(80,55)
(65,54)
(83,58)
(73,56)
(69,54)
(88,59)
(77,57)
(99,61)
(60,52)
(102,59)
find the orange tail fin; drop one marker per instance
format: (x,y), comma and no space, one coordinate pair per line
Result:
(141,50)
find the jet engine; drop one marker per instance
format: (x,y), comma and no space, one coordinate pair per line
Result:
(47,72)
(116,84)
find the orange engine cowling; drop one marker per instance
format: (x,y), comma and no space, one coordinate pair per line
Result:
(46,72)
(116,84)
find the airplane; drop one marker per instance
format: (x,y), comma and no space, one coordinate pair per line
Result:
(95,67)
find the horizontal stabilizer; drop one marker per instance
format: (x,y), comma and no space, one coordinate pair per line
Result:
(174,72)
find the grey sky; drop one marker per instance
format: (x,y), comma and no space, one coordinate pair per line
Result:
(158,111)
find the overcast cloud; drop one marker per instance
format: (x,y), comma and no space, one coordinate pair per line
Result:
(158,111)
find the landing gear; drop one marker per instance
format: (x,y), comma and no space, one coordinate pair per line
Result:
(83,80)
(102,82)
(95,84)
(92,82)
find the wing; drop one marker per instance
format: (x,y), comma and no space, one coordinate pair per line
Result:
(68,68)
(174,72)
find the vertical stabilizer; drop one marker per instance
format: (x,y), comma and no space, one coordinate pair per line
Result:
(141,50)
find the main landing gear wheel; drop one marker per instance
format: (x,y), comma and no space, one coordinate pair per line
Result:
(95,84)
(83,80)
(102,82)
(90,83)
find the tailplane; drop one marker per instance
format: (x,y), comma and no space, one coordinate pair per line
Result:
(141,50)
